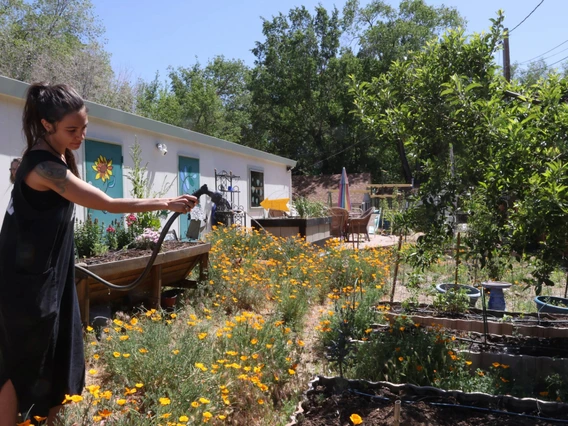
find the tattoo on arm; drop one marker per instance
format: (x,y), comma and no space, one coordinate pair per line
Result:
(54,172)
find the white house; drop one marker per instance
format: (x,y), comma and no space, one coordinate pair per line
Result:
(180,158)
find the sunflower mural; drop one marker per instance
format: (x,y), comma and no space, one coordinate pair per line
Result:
(103,168)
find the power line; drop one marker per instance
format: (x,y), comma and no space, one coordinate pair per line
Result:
(542,54)
(560,60)
(527,17)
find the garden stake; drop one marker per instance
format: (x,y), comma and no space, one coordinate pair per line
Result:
(396,267)
(396,421)
(457,258)
(566,287)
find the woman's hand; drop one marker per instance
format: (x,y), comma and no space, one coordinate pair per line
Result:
(182,204)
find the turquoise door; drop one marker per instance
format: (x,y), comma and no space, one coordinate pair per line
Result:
(104,171)
(188,184)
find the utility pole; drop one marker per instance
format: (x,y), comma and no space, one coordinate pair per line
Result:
(506,57)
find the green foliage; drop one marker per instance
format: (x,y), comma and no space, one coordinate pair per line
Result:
(89,238)
(306,208)
(453,301)
(60,41)
(213,100)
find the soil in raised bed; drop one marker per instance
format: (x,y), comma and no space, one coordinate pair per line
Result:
(325,409)
(112,256)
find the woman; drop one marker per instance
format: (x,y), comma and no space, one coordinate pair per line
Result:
(41,342)
(13,168)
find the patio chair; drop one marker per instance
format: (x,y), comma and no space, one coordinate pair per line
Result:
(277,213)
(359,225)
(339,217)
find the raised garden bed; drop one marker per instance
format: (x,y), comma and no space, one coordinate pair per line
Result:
(333,401)
(315,230)
(498,322)
(171,269)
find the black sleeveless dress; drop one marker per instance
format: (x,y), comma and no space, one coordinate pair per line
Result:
(41,338)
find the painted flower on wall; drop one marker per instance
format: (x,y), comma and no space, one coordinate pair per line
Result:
(103,167)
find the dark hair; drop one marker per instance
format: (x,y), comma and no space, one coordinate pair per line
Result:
(15,160)
(50,103)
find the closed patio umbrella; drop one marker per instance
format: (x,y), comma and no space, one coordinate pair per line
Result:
(344,200)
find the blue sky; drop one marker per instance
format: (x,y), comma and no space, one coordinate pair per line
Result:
(145,36)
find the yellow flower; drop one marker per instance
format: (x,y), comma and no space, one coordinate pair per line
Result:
(139,385)
(116,354)
(184,419)
(204,400)
(96,356)
(123,338)
(103,167)
(544,393)
(202,336)
(356,419)
(175,351)
(92,371)
(126,355)
(495,364)
(195,404)
(254,341)
(260,401)
(89,328)
(40,418)
(121,401)
(143,351)
(207,415)
(400,358)
(165,415)
(291,372)
(72,398)
(165,401)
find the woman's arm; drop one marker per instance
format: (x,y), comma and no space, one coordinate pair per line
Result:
(55,176)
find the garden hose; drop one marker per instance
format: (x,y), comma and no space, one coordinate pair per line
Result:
(81,270)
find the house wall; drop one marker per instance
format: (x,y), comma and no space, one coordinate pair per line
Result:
(116,127)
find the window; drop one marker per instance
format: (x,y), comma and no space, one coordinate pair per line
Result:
(256,188)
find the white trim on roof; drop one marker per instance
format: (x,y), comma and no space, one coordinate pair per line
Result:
(18,89)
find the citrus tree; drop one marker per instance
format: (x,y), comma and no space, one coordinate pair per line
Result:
(474,142)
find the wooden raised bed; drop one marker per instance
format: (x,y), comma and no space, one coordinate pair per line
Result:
(170,269)
(498,322)
(315,230)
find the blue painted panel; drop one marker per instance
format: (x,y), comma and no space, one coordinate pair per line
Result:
(188,184)
(104,171)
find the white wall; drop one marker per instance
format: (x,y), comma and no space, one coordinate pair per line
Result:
(277,179)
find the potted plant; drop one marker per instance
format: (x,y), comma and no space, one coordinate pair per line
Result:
(551,304)
(449,289)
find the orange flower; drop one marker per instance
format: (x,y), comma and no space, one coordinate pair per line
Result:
(356,419)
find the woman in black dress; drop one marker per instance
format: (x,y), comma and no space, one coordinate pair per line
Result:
(41,342)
